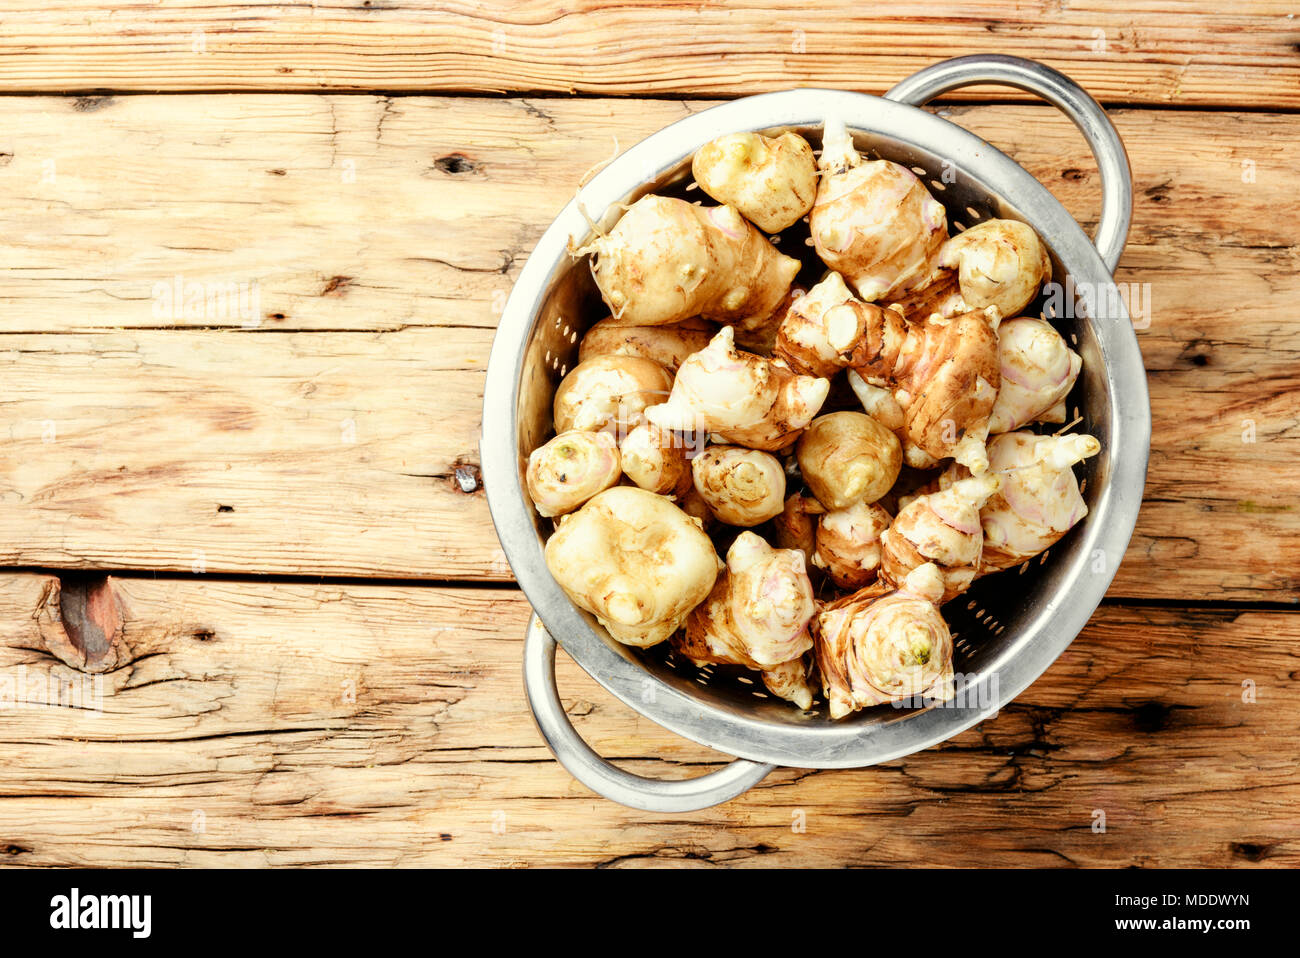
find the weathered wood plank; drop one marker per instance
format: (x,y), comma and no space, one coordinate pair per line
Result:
(294,724)
(1154,52)
(152,430)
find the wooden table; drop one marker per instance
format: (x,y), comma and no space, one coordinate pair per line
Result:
(252,261)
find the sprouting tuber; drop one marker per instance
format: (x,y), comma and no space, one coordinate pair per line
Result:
(772,181)
(942,528)
(609,392)
(848,457)
(885,645)
(570,469)
(666,345)
(667,260)
(874,221)
(1038,371)
(635,561)
(999,263)
(1039,499)
(743,487)
(758,612)
(848,544)
(655,459)
(742,398)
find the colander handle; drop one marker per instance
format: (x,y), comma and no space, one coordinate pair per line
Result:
(1068,97)
(654,795)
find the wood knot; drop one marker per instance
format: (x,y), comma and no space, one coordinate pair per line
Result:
(81,619)
(455,163)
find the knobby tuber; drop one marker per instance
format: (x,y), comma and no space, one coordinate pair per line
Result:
(848,457)
(635,561)
(655,459)
(743,487)
(570,469)
(999,263)
(848,544)
(1038,371)
(796,527)
(827,330)
(666,345)
(609,392)
(772,182)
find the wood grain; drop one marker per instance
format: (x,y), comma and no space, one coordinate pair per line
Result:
(1157,51)
(129,431)
(258,724)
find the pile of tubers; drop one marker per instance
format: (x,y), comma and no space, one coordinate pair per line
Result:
(704,419)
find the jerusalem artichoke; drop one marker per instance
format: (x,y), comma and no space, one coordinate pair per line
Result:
(792,681)
(667,260)
(826,330)
(795,526)
(635,561)
(570,469)
(655,459)
(999,263)
(885,645)
(1038,371)
(743,487)
(740,397)
(666,345)
(609,392)
(771,181)
(848,457)
(848,544)
(874,221)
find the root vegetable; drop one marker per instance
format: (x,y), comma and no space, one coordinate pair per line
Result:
(667,260)
(771,181)
(655,459)
(743,487)
(1038,371)
(570,469)
(666,345)
(758,612)
(881,406)
(874,221)
(944,375)
(940,297)
(635,561)
(795,526)
(692,503)
(848,544)
(743,398)
(1039,500)
(999,263)
(792,681)
(826,330)
(942,528)
(885,645)
(848,457)
(609,392)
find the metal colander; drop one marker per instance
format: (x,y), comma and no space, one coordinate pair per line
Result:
(1009,627)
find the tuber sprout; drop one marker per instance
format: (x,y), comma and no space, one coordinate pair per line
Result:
(874,221)
(743,398)
(743,487)
(848,457)
(758,612)
(609,392)
(635,561)
(885,645)
(792,681)
(942,528)
(655,459)
(1039,500)
(570,469)
(848,544)
(771,181)
(666,345)
(1038,371)
(999,263)
(667,260)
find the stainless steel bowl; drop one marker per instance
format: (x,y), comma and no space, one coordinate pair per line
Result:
(1008,632)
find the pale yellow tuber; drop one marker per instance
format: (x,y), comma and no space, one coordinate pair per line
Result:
(792,681)
(884,645)
(743,487)
(882,406)
(848,544)
(635,561)
(848,457)
(655,459)
(667,260)
(1039,500)
(942,528)
(1038,372)
(570,469)
(999,263)
(666,345)
(940,297)
(795,527)
(609,392)
(771,181)
(742,398)
(874,221)
(758,612)
(826,330)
